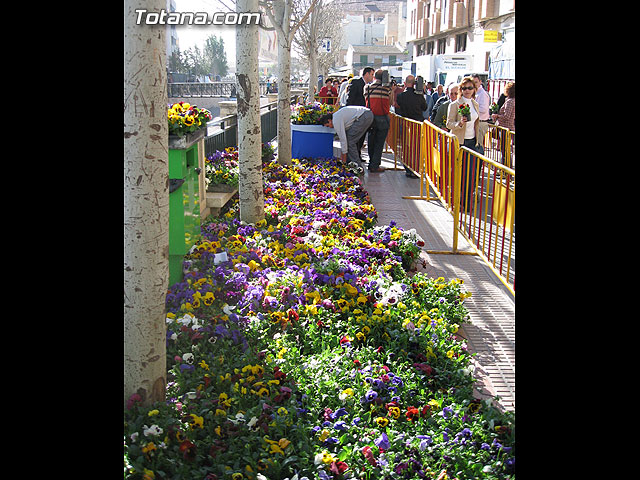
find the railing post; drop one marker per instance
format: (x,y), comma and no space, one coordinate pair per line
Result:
(457,177)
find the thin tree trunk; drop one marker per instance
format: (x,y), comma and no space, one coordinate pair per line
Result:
(313,56)
(250,185)
(282,13)
(146,205)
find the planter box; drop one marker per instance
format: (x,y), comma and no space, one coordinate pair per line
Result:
(221,187)
(185,158)
(185,141)
(311,141)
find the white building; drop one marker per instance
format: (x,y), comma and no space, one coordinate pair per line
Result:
(368,25)
(172,41)
(376,56)
(445,37)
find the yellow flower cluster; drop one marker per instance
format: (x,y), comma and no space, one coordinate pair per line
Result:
(184,117)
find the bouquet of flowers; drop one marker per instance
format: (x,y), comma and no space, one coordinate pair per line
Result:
(309,114)
(494,108)
(222,167)
(465,111)
(186,118)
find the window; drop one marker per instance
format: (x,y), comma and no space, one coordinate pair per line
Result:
(461,42)
(363,59)
(442,45)
(430,48)
(392,59)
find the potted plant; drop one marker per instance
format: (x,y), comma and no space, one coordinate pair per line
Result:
(221,170)
(308,139)
(187,124)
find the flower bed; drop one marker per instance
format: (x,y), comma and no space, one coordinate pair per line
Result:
(301,346)
(221,167)
(310,113)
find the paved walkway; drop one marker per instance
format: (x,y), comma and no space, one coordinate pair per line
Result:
(491,331)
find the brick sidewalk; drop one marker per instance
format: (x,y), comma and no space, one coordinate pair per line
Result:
(491,331)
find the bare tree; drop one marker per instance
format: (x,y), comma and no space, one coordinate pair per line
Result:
(250,184)
(146,204)
(324,22)
(280,15)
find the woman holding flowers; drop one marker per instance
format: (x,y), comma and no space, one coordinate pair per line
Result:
(463,121)
(467,128)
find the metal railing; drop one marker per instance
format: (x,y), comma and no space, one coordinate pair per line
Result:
(211,89)
(227,133)
(486,217)
(195,89)
(500,145)
(478,191)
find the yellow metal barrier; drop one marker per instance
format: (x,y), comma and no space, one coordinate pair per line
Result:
(477,190)
(406,139)
(440,150)
(499,145)
(486,217)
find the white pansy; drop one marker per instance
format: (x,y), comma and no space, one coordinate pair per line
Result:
(153,430)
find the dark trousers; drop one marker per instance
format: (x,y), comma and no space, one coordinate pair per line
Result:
(377,136)
(470,171)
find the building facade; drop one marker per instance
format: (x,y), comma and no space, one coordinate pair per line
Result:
(172,42)
(376,56)
(441,31)
(374,35)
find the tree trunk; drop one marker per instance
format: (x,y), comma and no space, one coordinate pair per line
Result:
(146,205)
(313,55)
(282,12)
(250,184)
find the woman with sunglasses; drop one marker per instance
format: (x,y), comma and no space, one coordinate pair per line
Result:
(470,133)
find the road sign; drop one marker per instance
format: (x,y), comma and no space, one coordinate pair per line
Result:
(325,46)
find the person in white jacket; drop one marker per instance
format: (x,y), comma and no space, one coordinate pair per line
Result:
(351,123)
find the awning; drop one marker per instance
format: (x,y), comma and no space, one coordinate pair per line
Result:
(502,62)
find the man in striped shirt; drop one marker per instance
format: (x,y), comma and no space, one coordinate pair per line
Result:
(377,97)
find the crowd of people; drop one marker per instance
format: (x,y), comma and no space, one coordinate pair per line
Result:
(365,104)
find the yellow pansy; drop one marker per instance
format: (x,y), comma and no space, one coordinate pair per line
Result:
(346,394)
(382,422)
(327,458)
(223,399)
(148,475)
(196,421)
(208,299)
(275,448)
(149,447)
